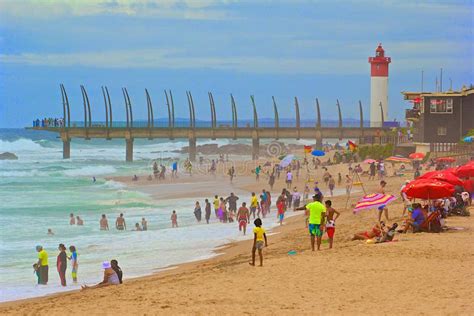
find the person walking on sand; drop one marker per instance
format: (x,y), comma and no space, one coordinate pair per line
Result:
(289,179)
(382,208)
(331,184)
(317,213)
(253,204)
(197,211)
(348,184)
(74,263)
(281,210)
(208,210)
(72,219)
(331,221)
(259,237)
(120,223)
(104,223)
(42,265)
(174,219)
(61,264)
(271,180)
(243,217)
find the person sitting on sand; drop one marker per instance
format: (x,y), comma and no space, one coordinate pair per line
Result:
(388,235)
(104,223)
(417,217)
(174,219)
(117,269)
(258,241)
(72,219)
(120,223)
(79,221)
(376,231)
(110,277)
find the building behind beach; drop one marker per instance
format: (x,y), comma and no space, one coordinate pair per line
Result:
(440,117)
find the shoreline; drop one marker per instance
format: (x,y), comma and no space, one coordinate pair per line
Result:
(346,276)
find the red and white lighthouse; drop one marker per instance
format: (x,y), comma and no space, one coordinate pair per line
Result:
(378,87)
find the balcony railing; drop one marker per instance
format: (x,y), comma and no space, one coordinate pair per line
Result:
(412,114)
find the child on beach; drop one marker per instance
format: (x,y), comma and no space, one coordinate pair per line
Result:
(36,271)
(174,219)
(330,221)
(117,269)
(258,241)
(74,264)
(281,210)
(253,204)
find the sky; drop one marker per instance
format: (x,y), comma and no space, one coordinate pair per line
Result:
(309,49)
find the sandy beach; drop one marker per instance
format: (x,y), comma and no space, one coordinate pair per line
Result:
(418,274)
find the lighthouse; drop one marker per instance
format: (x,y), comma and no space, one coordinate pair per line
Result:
(378,87)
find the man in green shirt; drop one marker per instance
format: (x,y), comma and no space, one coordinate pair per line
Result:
(42,265)
(317,216)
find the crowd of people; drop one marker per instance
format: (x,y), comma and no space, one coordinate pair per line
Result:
(49,122)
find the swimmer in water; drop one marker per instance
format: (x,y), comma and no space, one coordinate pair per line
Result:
(79,221)
(72,219)
(120,223)
(174,219)
(104,223)
(144,224)
(50,232)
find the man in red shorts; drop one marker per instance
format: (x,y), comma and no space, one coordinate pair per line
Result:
(331,221)
(243,217)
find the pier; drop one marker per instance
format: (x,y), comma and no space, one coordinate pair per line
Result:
(235,129)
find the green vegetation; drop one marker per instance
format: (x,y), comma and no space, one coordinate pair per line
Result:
(375,151)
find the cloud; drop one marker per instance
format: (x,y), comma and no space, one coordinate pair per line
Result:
(179,59)
(177,9)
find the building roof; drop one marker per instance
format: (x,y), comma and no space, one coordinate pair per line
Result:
(410,95)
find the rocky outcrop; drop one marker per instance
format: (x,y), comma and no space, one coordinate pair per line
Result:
(8,156)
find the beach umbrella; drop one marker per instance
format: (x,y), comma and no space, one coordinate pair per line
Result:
(443,175)
(428,189)
(374,200)
(446,159)
(417,156)
(468,139)
(398,159)
(465,171)
(318,153)
(285,162)
(369,161)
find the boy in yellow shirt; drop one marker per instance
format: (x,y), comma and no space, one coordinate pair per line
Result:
(258,241)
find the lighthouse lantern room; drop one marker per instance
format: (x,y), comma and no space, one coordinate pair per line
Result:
(378,87)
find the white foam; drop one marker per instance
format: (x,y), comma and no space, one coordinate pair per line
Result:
(19,145)
(90,171)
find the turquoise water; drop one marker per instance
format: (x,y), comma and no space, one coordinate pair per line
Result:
(40,189)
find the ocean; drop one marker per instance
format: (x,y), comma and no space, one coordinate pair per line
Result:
(40,189)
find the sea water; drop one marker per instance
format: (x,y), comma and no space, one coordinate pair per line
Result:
(40,189)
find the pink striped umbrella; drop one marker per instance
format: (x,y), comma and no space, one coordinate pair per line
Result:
(398,159)
(373,200)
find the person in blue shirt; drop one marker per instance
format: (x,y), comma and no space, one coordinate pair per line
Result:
(417,218)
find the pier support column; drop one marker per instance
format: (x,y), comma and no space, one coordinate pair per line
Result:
(66,148)
(319,140)
(255,146)
(129,149)
(192,148)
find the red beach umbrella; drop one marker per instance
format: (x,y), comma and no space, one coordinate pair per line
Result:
(428,189)
(465,171)
(443,175)
(368,160)
(417,156)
